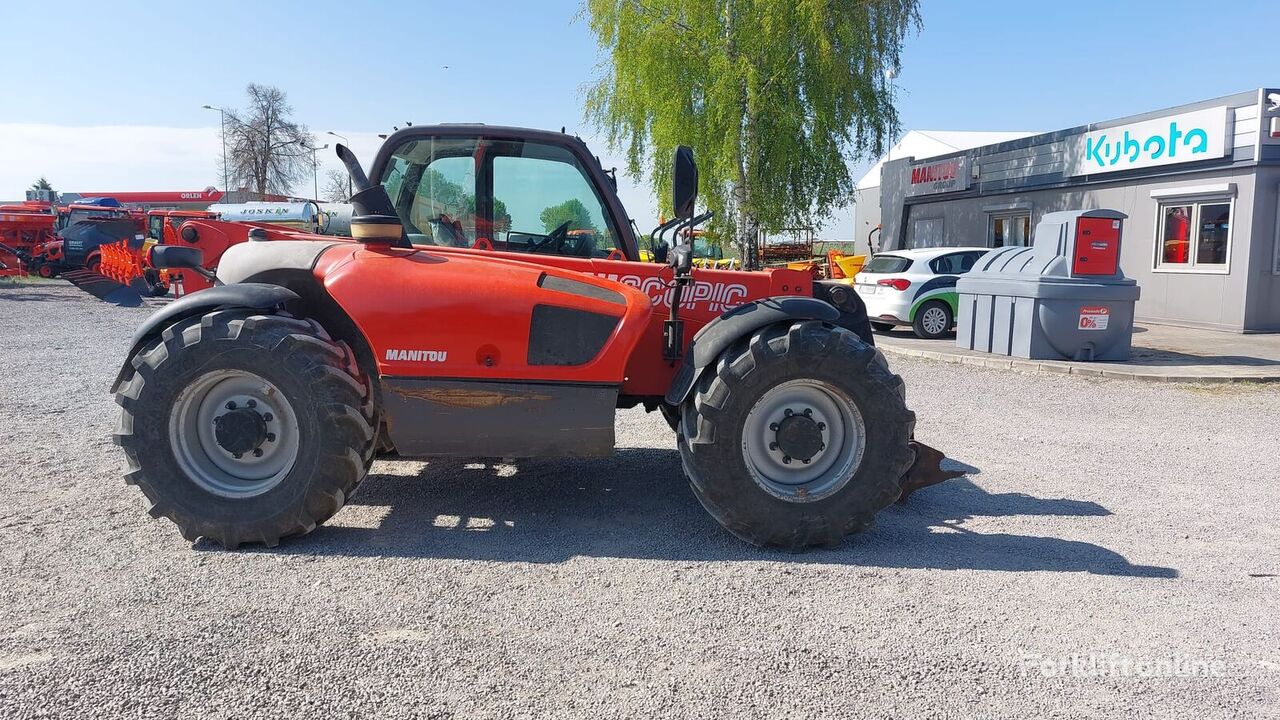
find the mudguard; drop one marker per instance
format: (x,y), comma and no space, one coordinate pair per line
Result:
(255,296)
(719,334)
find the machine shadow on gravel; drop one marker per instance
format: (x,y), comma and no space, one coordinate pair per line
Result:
(20,293)
(637,504)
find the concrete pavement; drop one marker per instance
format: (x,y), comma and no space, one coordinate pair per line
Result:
(1161,353)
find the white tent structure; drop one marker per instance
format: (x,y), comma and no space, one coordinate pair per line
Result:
(918,144)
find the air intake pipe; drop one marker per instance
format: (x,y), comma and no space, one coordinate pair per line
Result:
(373,218)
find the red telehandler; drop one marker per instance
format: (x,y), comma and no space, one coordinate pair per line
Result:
(252,410)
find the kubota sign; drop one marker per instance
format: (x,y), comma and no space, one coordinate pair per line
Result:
(1186,137)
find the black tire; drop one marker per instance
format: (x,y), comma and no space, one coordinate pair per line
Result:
(939,308)
(314,374)
(712,448)
(882,327)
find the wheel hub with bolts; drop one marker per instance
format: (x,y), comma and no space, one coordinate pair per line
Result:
(233,433)
(240,430)
(799,436)
(803,440)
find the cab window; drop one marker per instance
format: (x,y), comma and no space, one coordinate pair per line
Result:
(543,202)
(514,195)
(432,184)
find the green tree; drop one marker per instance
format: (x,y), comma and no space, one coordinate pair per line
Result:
(501,217)
(571,211)
(41,184)
(774,97)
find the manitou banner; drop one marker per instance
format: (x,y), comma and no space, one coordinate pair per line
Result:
(939,176)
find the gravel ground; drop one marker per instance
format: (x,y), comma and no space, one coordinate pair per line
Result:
(1131,525)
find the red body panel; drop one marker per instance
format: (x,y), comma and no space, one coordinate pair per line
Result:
(426,299)
(419,299)
(213,237)
(459,316)
(1097,247)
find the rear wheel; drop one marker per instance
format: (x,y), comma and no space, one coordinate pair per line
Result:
(797,437)
(932,320)
(243,427)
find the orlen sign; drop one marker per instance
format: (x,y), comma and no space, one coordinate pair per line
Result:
(939,176)
(1186,137)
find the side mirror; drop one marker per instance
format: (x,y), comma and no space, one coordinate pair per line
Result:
(681,258)
(175,256)
(684,182)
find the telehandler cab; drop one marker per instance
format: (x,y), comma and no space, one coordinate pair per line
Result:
(469,319)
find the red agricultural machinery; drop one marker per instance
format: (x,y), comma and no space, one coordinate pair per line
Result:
(253,410)
(128,261)
(26,231)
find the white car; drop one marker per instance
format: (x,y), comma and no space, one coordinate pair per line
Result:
(915,288)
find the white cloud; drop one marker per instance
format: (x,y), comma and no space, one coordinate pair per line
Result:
(130,158)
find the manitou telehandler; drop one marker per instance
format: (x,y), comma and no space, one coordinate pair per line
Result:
(253,410)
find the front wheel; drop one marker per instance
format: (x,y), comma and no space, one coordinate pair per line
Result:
(797,437)
(882,327)
(932,320)
(244,427)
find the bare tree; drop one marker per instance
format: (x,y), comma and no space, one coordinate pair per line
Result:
(266,147)
(335,186)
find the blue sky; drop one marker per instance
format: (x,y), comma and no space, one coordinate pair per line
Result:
(359,68)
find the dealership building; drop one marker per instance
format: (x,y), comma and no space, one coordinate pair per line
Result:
(1200,184)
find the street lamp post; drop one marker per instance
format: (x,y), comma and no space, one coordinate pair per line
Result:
(315,167)
(222,114)
(346,142)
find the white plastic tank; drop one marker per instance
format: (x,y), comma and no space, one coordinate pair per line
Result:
(300,215)
(335,219)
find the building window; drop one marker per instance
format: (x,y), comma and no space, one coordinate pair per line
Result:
(1194,235)
(1009,230)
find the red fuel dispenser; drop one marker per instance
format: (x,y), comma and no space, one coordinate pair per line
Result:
(1096,249)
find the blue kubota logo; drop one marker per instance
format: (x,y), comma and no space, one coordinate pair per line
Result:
(1106,153)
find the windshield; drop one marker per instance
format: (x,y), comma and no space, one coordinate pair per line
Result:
(887,264)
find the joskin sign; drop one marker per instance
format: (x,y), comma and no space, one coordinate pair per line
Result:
(1186,137)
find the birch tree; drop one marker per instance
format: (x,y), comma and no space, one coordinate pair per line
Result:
(776,98)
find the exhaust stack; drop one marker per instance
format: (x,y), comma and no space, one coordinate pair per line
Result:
(374,219)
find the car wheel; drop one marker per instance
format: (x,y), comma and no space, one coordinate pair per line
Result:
(882,327)
(932,320)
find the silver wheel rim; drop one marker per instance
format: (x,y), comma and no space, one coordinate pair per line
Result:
(843,441)
(934,320)
(192,434)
